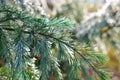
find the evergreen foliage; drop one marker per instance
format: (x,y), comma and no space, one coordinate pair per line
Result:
(43,48)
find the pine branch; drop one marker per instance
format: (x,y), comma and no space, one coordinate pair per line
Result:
(74,49)
(35,27)
(7,19)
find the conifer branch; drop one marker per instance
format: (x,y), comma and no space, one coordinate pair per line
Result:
(74,49)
